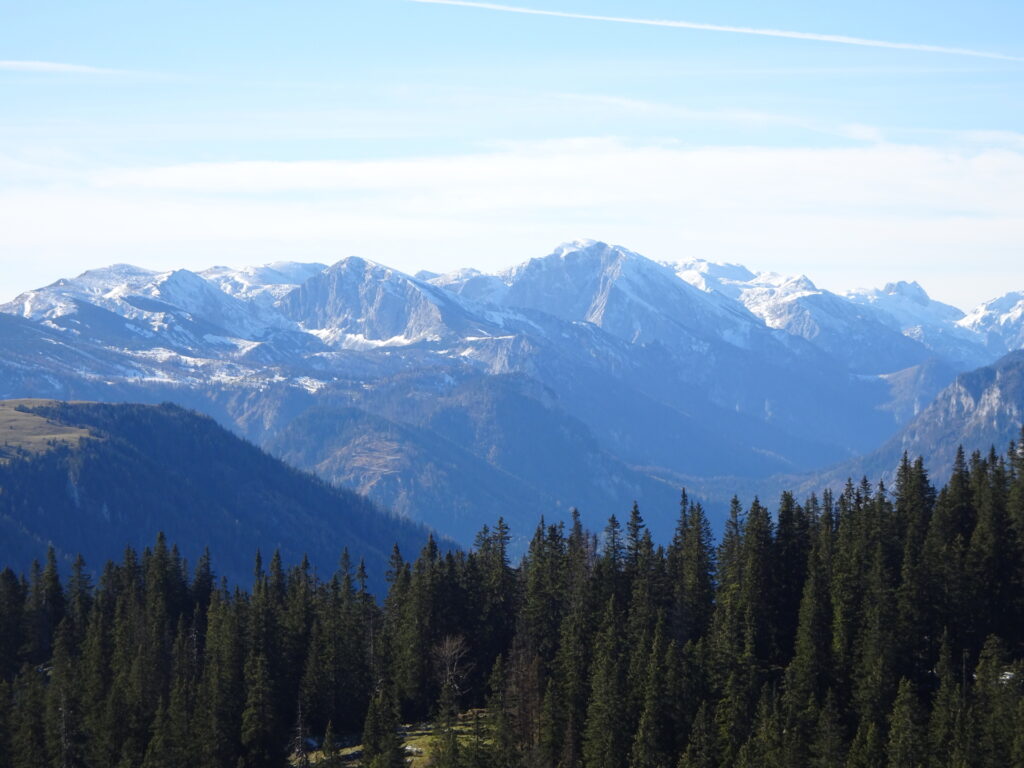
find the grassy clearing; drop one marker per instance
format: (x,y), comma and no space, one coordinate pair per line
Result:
(418,739)
(28,432)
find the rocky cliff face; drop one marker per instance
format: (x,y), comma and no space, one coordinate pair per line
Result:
(979,410)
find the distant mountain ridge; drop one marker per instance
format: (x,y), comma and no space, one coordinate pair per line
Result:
(658,374)
(980,410)
(873,331)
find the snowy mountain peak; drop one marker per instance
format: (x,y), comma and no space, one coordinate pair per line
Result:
(352,263)
(906,305)
(61,298)
(1004,308)
(265,283)
(575,254)
(788,286)
(177,281)
(907,308)
(473,284)
(627,294)
(575,246)
(357,303)
(709,276)
(569,267)
(593,254)
(835,324)
(115,273)
(911,290)
(758,292)
(356,267)
(105,281)
(455,276)
(803,283)
(999,322)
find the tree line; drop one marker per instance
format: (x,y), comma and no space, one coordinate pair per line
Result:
(872,627)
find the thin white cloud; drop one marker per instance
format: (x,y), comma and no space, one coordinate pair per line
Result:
(842,39)
(854,215)
(608,179)
(54,67)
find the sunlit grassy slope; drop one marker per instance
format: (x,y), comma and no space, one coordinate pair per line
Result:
(21,431)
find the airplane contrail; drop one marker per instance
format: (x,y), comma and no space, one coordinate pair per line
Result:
(843,39)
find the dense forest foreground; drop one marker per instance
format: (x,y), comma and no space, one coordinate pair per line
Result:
(874,627)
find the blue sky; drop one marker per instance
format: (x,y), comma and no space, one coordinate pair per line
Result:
(430,135)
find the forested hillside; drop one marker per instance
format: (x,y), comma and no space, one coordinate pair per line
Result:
(877,627)
(94,478)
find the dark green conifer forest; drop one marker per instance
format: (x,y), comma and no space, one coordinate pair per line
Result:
(877,627)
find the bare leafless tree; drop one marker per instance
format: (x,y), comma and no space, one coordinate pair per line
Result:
(451,663)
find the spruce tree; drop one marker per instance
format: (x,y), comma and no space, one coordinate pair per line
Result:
(298,747)
(764,748)
(605,741)
(259,718)
(95,675)
(64,727)
(916,635)
(947,713)
(808,674)
(221,687)
(750,613)
(854,547)
(382,747)
(691,564)
(791,549)
(682,691)
(641,618)
(27,724)
(907,746)
(652,743)
(945,549)
(79,599)
(504,748)
(130,711)
(992,562)
(609,569)
(163,750)
(12,622)
(329,746)
(995,697)
(572,660)
(829,745)
(701,750)
(44,609)
(758,594)
(727,630)
(874,683)
(867,750)
(549,730)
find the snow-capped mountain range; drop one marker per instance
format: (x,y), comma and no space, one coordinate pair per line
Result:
(454,398)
